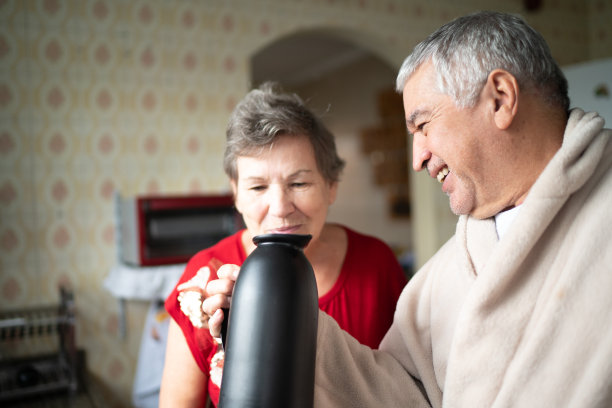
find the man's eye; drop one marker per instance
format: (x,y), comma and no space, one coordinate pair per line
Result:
(420,126)
(257,188)
(299,185)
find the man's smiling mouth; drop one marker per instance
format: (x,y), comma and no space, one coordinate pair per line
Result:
(442,174)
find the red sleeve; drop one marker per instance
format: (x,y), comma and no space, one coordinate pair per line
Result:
(201,344)
(199,340)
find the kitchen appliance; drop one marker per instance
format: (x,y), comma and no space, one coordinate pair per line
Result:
(161,230)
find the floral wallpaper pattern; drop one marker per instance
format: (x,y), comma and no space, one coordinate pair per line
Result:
(99,96)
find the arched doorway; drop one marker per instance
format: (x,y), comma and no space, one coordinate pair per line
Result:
(351,89)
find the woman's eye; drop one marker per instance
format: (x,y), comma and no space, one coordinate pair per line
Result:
(257,188)
(298,185)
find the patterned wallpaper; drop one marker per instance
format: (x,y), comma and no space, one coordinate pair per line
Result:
(98,96)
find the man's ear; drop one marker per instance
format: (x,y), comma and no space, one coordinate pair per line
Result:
(504,89)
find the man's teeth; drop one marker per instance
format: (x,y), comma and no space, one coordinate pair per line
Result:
(442,174)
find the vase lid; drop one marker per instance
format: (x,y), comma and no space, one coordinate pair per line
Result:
(298,240)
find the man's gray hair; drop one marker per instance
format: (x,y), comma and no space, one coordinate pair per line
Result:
(466,50)
(264,115)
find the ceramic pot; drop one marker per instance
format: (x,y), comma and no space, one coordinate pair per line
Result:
(271,338)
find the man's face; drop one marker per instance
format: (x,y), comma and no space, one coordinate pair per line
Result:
(454,145)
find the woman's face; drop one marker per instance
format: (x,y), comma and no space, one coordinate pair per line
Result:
(281,190)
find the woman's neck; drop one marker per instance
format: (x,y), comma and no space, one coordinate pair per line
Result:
(326,254)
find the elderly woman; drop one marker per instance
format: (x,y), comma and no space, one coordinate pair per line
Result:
(284,170)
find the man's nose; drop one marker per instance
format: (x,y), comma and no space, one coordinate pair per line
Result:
(420,153)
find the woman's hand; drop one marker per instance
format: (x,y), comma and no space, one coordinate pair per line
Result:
(191,296)
(217,296)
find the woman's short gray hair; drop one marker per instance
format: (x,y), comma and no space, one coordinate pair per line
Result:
(465,50)
(264,115)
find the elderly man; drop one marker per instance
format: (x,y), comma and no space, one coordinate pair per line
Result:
(513,311)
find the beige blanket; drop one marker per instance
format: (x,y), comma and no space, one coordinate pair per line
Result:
(518,322)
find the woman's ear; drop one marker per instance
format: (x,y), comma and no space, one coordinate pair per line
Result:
(234,186)
(333,192)
(504,90)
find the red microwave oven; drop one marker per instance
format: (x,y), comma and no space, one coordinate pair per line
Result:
(161,230)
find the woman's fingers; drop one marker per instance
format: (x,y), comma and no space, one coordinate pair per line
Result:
(201,300)
(214,324)
(219,287)
(212,308)
(218,297)
(212,303)
(228,271)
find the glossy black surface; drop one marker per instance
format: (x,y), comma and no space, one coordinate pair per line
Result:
(272,331)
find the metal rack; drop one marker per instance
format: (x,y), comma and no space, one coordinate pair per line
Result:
(38,353)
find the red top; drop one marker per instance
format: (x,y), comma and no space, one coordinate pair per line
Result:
(362,300)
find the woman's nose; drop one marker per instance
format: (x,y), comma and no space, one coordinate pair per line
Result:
(420,153)
(280,204)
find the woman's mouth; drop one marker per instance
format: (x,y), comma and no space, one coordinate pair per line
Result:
(285,230)
(442,174)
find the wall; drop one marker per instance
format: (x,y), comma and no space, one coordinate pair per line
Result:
(599,15)
(346,101)
(99,96)
(590,86)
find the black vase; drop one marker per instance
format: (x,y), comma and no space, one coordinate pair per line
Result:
(272,330)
